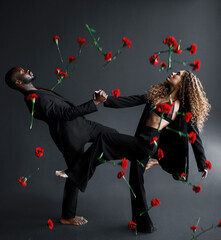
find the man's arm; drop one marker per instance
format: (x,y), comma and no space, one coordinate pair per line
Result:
(55,109)
(198,150)
(123,102)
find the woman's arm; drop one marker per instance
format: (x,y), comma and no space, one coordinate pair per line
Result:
(198,148)
(123,102)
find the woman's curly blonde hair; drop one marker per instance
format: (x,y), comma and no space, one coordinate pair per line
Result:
(191,94)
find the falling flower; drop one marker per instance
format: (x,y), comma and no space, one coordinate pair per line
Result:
(219,225)
(154,59)
(124,163)
(170,41)
(71,59)
(23,181)
(57,71)
(196,65)
(192,49)
(164,107)
(160,153)
(55,39)
(178,51)
(108,56)
(194,228)
(121,175)
(155,202)
(64,74)
(32,97)
(183,176)
(39,152)
(131,225)
(187,116)
(50,224)
(81,41)
(154,140)
(192,137)
(197,189)
(163,66)
(116,93)
(208,164)
(127,42)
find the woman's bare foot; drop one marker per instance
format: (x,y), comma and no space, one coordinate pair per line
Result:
(152,162)
(77,221)
(61,174)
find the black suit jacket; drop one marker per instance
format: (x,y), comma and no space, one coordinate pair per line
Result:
(68,127)
(175,147)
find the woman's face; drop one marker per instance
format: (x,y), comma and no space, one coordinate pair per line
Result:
(175,79)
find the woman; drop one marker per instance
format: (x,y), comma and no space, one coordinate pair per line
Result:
(182,92)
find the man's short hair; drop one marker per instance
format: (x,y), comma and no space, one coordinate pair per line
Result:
(9,79)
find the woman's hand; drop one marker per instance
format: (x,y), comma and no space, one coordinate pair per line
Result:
(100,96)
(204,173)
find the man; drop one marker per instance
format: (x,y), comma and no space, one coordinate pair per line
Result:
(68,127)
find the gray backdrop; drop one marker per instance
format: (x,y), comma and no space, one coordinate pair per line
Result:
(27,28)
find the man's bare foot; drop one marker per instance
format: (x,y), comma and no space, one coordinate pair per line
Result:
(61,174)
(77,221)
(151,163)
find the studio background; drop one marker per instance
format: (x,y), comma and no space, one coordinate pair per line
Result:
(27,28)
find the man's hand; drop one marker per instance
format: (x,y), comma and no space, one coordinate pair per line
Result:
(100,96)
(204,173)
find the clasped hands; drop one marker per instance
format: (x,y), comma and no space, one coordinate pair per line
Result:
(99,96)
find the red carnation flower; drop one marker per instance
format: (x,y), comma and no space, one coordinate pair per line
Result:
(154,59)
(57,71)
(131,225)
(163,65)
(219,225)
(192,137)
(155,202)
(116,93)
(50,224)
(71,59)
(183,175)
(127,42)
(197,189)
(170,41)
(153,140)
(55,39)
(120,174)
(178,51)
(124,163)
(187,116)
(108,56)
(64,74)
(194,228)
(208,164)
(23,181)
(39,152)
(160,153)
(31,96)
(192,49)
(164,107)
(81,41)
(196,65)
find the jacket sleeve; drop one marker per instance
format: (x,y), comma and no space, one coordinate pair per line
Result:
(198,148)
(123,102)
(54,109)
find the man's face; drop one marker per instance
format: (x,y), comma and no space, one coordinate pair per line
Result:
(26,76)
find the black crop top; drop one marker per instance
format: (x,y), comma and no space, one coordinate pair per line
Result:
(168,116)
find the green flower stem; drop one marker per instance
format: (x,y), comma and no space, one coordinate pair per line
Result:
(164,51)
(161,117)
(204,231)
(129,187)
(76,62)
(136,229)
(58,82)
(153,108)
(179,132)
(183,62)
(198,221)
(155,143)
(59,52)
(145,211)
(180,113)
(140,163)
(33,173)
(185,165)
(101,160)
(32,113)
(119,51)
(169,59)
(94,39)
